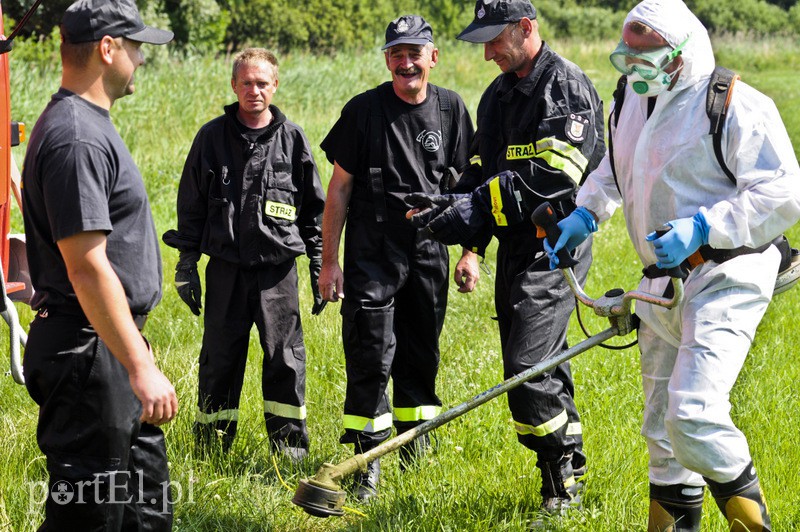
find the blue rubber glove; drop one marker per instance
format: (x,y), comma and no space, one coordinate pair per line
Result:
(575,228)
(685,237)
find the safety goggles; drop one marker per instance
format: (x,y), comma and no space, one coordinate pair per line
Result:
(647,63)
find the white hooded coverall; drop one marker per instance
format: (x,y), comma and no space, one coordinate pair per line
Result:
(666,169)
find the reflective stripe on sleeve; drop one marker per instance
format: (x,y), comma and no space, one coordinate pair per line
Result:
(365,424)
(231,414)
(284,410)
(497,202)
(573,429)
(557,153)
(548,427)
(475,159)
(417,413)
(562,156)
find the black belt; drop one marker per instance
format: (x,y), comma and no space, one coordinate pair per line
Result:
(77,313)
(705,254)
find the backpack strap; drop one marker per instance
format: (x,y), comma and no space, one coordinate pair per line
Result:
(619,99)
(445,121)
(718,99)
(376,142)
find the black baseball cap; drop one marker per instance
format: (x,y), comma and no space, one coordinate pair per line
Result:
(91,20)
(408,29)
(492,16)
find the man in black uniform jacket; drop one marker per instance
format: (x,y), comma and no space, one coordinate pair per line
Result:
(250,198)
(400,137)
(540,131)
(96,268)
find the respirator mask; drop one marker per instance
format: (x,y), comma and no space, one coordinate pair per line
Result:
(645,69)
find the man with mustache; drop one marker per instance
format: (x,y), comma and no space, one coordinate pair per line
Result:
(404,136)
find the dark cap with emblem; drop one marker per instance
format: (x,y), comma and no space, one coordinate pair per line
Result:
(408,29)
(91,20)
(492,16)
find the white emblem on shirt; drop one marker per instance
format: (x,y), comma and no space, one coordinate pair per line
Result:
(575,128)
(430,140)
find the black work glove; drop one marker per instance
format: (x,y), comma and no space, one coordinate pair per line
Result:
(450,218)
(187,281)
(314,267)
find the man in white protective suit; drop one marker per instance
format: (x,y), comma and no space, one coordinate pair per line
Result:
(667,173)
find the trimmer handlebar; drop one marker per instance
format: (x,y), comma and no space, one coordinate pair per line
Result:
(615,302)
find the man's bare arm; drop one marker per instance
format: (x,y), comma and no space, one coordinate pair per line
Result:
(340,189)
(103,300)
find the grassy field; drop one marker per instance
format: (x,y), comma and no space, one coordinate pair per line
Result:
(479,478)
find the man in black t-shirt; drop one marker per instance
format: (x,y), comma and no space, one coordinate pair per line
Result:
(401,137)
(251,199)
(96,268)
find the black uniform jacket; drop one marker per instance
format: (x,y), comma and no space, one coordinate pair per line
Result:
(547,127)
(249,203)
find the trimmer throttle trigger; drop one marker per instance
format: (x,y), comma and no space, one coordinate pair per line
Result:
(546,222)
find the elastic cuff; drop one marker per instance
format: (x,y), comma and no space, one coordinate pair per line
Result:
(587,217)
(702,225)
(188,258)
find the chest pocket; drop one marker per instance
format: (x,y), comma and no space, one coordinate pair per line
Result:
(280,197)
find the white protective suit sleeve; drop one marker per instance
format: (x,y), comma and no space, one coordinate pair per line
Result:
(666,167)
(599,193)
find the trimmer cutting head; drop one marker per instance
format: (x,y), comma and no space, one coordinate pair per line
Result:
(319,499)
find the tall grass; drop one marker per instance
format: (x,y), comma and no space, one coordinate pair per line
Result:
(479,478)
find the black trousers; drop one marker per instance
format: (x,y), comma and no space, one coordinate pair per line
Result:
(235,300)
(395,286)
(107,470)
(533,308)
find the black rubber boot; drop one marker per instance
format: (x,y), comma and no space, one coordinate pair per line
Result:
(294,453)
(365,483)
(675,508)
(561,492)
(742,502)
(412,452)
(214,437)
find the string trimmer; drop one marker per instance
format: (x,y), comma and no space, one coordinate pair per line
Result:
(322,495)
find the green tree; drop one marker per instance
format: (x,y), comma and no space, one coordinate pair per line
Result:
(560,19)
(47,15)
(785,4)
(741,16)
